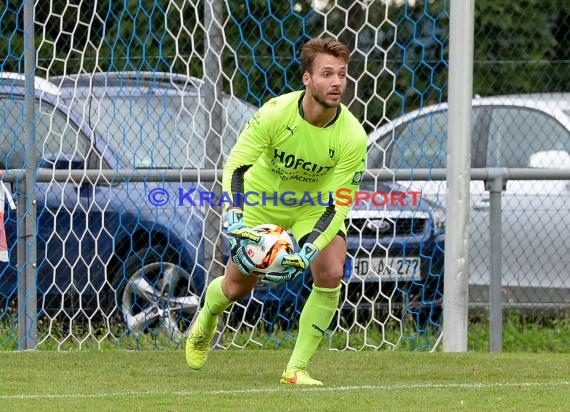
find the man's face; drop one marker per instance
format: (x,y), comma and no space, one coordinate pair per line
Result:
(327,81)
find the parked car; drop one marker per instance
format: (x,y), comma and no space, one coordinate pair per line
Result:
(395,245)
(103,249)
(514,131)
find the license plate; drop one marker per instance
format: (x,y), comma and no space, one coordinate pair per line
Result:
(388,268)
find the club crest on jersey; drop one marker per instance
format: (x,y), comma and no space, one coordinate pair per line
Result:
(357,178)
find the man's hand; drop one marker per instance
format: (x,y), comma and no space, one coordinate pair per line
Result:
(238,233)
(239,256)
(294,264)
(239,237)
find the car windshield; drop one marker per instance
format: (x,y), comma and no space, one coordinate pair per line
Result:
(418,143)
(164,131)
(517,135)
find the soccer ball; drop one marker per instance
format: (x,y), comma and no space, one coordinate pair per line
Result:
(276,243)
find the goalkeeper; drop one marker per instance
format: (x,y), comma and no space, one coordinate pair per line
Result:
(305,142)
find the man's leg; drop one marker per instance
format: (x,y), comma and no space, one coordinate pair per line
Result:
(319,310)
(220,294)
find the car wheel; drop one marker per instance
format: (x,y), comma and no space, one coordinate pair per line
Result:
(157,295)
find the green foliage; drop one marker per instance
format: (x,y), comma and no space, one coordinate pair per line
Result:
(11,36)
(265,40)
(516,47)
(525,332)
(522,332)
(399,60)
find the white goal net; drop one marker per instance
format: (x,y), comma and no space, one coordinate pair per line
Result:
(136,105)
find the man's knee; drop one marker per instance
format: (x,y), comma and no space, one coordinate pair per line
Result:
(328,272)
(328,267)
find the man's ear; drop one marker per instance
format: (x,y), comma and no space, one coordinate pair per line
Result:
(306,78)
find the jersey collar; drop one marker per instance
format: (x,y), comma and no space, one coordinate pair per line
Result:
(302,112)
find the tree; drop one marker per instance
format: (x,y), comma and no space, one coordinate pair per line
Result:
(515,46)
(399,59)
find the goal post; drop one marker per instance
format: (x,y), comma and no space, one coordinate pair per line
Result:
(458,179)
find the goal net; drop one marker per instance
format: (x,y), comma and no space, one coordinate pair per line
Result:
(127,90)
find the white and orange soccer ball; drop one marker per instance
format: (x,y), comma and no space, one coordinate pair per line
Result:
(276,243)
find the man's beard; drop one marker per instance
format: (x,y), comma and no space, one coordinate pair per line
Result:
(320,99)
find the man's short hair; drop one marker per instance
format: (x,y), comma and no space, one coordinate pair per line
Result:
(326,45)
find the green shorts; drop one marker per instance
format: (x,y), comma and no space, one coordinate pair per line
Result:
(300,219)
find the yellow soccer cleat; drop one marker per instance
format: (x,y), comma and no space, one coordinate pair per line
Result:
(198,345)
(296,376)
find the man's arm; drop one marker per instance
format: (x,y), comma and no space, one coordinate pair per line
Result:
(253,140)
(249,146)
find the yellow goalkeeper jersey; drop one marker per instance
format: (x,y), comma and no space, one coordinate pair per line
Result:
(280,152)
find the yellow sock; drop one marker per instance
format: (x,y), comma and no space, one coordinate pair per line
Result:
(215,303)
(315,319)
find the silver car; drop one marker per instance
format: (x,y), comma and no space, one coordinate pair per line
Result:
(514,131)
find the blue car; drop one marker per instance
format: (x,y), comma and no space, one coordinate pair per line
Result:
(114,249)
(395,241)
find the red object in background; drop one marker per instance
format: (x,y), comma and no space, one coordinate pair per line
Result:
(4,195)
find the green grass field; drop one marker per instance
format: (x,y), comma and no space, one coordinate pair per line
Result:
(246,380)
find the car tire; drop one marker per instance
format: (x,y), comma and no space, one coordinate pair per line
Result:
(156,294)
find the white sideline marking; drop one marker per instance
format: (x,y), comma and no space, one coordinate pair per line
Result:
(282,388)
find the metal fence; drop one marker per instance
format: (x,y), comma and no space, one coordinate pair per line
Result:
(109,135)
